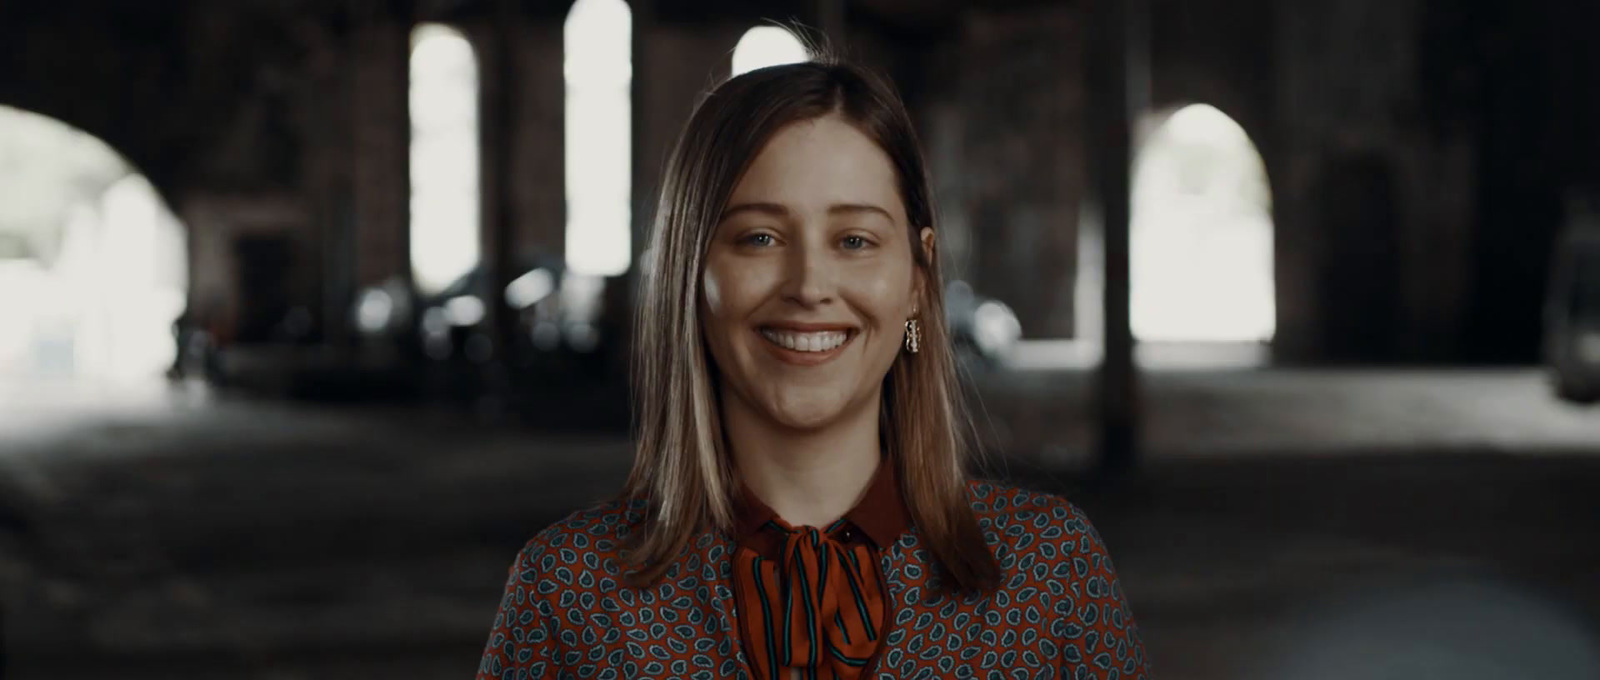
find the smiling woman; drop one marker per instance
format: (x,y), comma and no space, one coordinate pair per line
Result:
(799,504)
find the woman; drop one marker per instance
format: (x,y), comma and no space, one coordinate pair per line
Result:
(798,506)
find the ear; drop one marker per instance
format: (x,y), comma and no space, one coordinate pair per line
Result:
(919,275)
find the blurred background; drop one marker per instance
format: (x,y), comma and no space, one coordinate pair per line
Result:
(312,312)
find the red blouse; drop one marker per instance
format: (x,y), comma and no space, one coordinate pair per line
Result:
(811,599)
(1059,612)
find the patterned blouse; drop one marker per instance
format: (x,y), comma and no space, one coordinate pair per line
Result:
(1059,611)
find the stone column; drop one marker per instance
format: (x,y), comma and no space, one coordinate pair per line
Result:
(1118,80)
(381,141)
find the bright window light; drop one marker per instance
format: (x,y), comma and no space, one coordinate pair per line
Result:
(1201,235)
(444,157)
(93,265)
(599,138)
(765,46)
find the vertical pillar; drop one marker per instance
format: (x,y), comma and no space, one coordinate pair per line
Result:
(646,169)
(538,199)
(327,180)
(648,158)
(382,143)
(1118,87)
(500,101)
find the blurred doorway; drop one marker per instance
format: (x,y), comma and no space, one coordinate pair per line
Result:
(93,264)
(1201,242)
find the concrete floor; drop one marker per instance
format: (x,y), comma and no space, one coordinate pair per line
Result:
(1284,525)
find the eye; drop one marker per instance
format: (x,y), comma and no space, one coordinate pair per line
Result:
(855,242)
(759,240)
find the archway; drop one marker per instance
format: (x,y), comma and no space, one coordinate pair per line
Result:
(1201,235)
(93,264)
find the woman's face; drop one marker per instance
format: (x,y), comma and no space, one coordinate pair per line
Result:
(809,278)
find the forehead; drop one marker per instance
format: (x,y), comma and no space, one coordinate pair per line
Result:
(816,163)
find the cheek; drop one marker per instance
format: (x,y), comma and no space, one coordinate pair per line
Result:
(714,290)
(731,291)
(886,292)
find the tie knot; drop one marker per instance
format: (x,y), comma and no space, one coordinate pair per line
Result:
(839,530)
(805,538)
(805,532)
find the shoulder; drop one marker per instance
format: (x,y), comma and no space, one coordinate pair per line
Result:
(606,522)
(1024,522)
(1052,556)
(556,592)
(579,551)
(1004,503)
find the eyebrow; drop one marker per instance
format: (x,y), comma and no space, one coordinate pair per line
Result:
(779,210)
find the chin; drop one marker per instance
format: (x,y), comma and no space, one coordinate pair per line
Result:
(805,412)
(807,421)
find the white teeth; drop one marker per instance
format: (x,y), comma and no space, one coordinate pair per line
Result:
(806,342)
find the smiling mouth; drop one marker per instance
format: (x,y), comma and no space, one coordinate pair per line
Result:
(818,343)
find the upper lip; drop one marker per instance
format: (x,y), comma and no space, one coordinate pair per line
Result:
(798,327)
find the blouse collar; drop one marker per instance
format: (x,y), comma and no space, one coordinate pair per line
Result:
(880,515)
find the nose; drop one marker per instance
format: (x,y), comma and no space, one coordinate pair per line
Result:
(810,276)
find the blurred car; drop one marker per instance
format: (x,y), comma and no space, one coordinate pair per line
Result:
(1572,314)
(558,312)
(982,328)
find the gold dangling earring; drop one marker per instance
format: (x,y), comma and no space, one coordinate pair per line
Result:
(913,336)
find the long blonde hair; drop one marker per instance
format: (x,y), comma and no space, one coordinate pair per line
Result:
(681,468)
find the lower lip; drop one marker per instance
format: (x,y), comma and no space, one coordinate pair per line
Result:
(799,358)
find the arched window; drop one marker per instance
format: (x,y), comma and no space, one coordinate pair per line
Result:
(765,46)
(1201,235)
(599,74)
(445,198)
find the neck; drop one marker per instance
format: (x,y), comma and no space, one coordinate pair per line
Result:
(808,477)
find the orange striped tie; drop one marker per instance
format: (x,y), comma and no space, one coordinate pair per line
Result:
(831,608)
